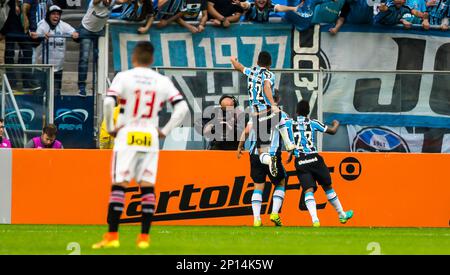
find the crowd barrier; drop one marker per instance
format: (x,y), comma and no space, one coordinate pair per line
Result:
(214,188)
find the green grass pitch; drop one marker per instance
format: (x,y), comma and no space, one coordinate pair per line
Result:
(227,240)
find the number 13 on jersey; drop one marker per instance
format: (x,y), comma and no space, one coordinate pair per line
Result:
(148,99)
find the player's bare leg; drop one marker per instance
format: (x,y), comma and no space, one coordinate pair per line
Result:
(277,198)
(311,205)
(148,200)
(256,204)
(332,197)
(116,204)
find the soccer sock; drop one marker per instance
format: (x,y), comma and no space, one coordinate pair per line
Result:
(278,197)
(256,204)
(116,201)
(311,205)
(264,158)
(333,199)
(148,208)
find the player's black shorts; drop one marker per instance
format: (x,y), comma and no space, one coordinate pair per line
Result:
(311,169)
(263,125)
(259,171)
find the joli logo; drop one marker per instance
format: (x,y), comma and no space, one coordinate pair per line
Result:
(139,139)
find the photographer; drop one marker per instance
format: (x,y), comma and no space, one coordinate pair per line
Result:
(225,126)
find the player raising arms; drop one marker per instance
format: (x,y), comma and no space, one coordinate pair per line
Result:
(310,166)
(259,171)
(265,112)
(141,93)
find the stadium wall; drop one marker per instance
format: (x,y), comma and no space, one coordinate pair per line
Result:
(72,187)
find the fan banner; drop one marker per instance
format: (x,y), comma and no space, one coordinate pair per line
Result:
(388,139)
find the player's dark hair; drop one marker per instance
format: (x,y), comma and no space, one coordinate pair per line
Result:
(303,108)
(264,59)
(50,130)
(143,52)
(1,120)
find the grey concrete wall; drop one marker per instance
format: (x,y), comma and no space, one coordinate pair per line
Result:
(5,185)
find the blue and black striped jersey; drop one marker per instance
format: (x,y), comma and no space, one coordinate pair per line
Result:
(304,134)
(439,11)
(276,139)
(256,78)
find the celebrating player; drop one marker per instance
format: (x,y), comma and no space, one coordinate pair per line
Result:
(310,166)
(141,93)
(265,112)
(259,171)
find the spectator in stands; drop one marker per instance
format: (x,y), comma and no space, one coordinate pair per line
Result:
(150,17)
(48,28)
(92,27)
(46,140)
(29,15)
(439,12)
(4,11)
(167,11)
(18,33)
(4,142)
(224,12)
(419,5)
(259,11)
(353,12)
(179,11)
(190,10)
(392,13)
(136,10)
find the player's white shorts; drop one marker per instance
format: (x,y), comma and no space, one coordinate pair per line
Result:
(129,164)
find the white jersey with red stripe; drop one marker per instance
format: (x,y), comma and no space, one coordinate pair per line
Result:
(142,93)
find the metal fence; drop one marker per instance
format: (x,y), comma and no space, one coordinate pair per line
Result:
(25,113)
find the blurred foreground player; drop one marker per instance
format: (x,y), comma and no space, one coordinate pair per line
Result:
(310,166)
(142,92)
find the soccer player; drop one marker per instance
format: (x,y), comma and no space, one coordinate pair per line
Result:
(259,170)
(310,166)
(258,173)
(265,112)
(141,93)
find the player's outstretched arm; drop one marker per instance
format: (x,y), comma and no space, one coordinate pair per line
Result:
(108,110)
(269,96)
(237,66)
(334,127)
(242,139)
(180,110)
